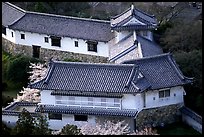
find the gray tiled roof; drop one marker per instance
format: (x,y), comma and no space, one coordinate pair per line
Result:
(161,71)
(149,48)
(57,25)
(73,27)
(86,77)
(86,111)
(10,109)
(10,13)
(149,20)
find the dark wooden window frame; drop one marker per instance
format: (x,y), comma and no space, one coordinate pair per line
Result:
(55,41)
(55,116)
(46,39)
(164,93)
(22,36)
(80,118)
(76,43)
(3,30)
(92,46)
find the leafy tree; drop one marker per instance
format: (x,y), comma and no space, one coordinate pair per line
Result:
(5,100)
(191,65)
(18,68)
(5,130)
(25,124)
(183,37)
(70,130)
(41,126)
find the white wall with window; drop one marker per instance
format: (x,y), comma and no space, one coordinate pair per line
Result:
(66,43)
(57,124)
(32,39)
(10,35)
(158,98)
(92,102)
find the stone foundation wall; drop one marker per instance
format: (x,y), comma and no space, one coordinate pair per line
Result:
(48,53)
(158,116)
(16,49)
(61,55)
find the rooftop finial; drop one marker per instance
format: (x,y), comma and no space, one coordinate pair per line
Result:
(132,6)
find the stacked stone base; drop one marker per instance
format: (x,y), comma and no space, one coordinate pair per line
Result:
(46,54)
(158,116)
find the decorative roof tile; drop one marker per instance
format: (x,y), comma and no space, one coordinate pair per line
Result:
(85,111)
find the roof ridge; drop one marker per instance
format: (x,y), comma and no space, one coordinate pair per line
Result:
(134,71)
(16,7)
(47,78)
(69,17)
(17,20)
(95,64)
(149,57)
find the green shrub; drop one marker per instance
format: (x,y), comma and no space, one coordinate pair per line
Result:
(18,68)
(5,130)
(5,100)
(72,60)
(70,130)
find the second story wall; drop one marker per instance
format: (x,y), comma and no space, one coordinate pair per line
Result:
(66,43)
(156,99)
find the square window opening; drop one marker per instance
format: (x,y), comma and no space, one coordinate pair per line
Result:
(92,46)
(80,118)
(55,116)
(46,40)
(56,41)
(22,36)
(76,43)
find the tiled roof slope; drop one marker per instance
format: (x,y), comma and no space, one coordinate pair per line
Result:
(86,111)
(10,109)
(149,48)
(57,25)
(120,21)
(161,71)
(106,78)
(10,13)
